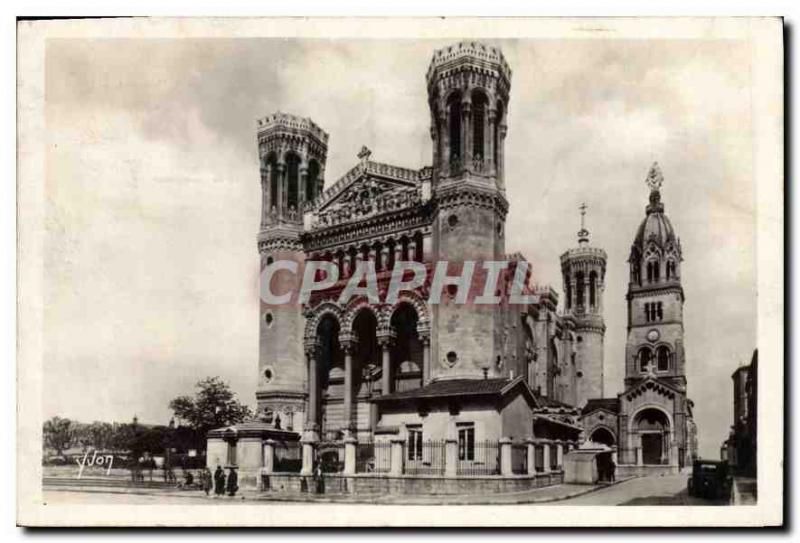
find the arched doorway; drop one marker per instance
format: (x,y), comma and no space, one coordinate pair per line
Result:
(406,355)
(366,353)
(653,428)
(604,436)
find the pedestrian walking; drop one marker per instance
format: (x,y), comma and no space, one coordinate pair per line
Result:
(233,482)
(219,481)
(612,468)
(207,480)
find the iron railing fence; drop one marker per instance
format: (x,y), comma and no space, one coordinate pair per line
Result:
(478,458)
(288,457)
(330,454)
(424,457)
(373,457)
(519,458)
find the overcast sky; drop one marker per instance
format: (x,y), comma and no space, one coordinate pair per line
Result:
(153,193)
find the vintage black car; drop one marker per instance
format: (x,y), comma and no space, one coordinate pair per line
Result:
(710,479)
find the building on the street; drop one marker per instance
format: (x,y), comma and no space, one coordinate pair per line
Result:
(651,421)
(741,446)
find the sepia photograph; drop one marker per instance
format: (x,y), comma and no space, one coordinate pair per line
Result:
(513,271)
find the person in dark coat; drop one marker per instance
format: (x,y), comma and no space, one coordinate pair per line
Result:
(219,481)
(233,481)
(207,480)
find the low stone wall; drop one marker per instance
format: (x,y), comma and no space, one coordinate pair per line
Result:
(408,484)
(633,470)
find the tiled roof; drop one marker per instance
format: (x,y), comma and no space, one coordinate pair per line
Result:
(609,404)
(452,387)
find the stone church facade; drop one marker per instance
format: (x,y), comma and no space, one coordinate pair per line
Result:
(325,368)
(367,370)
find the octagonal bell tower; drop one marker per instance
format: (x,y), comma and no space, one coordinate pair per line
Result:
(584,272)
(468,92)
(292,152)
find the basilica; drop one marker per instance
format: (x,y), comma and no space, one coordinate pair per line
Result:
(413,372)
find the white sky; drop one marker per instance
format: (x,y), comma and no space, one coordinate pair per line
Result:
(153,193)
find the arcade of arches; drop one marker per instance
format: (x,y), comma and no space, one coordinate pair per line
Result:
(350,363)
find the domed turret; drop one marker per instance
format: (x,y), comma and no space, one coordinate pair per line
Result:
(656,250)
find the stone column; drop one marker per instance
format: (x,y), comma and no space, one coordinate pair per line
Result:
(560,455)
(373,253)
(501,132)
(444,140)
(397,456)
(639,459)
(302,179)
(269,456)
(385,257)
(265,196)
(466,134)
(505,457)
(425,338)
(531,456)
(398,251)
(546,457)
(346,266)
(488,147)
(450,457)
(313,387)
(385,342)
(282,192)
(348,346)
(412,251)
(427,248)
(350,455)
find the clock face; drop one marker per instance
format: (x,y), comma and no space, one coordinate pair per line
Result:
(653,335)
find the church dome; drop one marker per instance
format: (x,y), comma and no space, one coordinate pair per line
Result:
(656,226)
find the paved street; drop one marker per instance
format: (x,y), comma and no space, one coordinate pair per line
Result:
(663,490)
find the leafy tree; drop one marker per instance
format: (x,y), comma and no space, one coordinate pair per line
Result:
(59,434)
(213,406)
(100,435)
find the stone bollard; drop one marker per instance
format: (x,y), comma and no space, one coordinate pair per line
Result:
(450,457)
(269,456)
(308,457)
(546,457)
(505,457)
(397,456)
(531,456)
(350,455)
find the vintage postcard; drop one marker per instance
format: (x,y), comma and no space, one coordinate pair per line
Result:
(400,272)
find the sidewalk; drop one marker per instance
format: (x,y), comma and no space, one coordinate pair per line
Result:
(540,495)
(745,491)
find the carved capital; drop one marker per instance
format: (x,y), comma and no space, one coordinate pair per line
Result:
(311,348)
(386,338)
(348,341)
